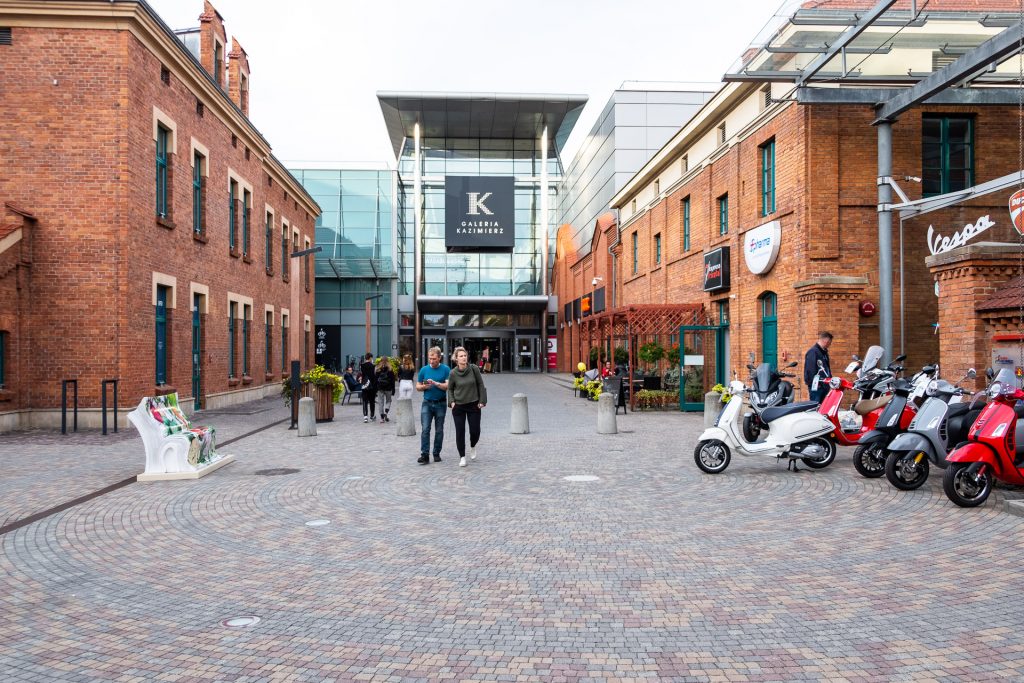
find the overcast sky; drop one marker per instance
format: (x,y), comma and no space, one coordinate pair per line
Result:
(317,64)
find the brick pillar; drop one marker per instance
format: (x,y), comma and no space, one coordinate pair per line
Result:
(968,276)
(829,303)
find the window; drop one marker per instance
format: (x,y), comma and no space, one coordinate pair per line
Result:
(268,245)
(162,201)
(232,218)
(686,224)
(723,214)
(635,254)
(768,177)
(218,63)
(723,312)
(306,268)
(947,154)
(198,166)
(268,344)
(246,206)
(284,251)
(657,249)
(246,318)
(161,334)
(165,75)
(284,343)
(232,339)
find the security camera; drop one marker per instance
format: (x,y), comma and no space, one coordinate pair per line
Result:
(593,283)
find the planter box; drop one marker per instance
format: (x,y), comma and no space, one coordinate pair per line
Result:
(323,398)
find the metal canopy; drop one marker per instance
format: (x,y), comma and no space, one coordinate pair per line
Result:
(479,115)
(875,97)
(919,207)
(488,304)
(356,268)
(844,40)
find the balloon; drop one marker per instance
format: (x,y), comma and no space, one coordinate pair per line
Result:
(581,367)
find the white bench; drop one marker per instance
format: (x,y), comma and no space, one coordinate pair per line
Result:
(175,448)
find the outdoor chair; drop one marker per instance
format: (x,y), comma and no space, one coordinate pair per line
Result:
(173,444)
(352,388)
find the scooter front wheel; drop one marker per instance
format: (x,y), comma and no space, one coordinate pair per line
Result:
(907,470)
(712,456)
(751,427)
(869,460)
(964,489)
(821,462)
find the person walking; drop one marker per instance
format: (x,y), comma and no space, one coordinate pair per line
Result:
(432,380)
(385,388)
(487,359)
(368,383)
(813,375)
(467,395)
(406,374)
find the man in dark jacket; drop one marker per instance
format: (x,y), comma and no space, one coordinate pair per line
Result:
(812,378)
(368,380)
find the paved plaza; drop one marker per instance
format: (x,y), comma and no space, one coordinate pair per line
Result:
(503,570)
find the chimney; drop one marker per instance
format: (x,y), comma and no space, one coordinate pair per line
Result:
(213,42)
(238,68)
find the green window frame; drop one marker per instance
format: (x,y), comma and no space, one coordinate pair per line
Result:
(232,193)
(686,224)
(232,340)
(284,254)
(162,135)
(284,345)
(246,315)
(723,214)
(3,358)
(268,244)
(197,193)
(768,177)
(246,202)
(268,342)
(161,334)
(947,154)
(636,255)
(723,312)
(657,248)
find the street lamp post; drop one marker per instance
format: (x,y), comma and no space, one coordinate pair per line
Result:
(296,369)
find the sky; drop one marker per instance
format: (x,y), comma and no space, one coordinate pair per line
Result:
(316,65)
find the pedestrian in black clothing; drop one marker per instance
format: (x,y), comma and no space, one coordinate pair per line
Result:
(813,375)
(368,380)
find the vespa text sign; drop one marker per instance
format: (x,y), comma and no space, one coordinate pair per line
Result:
(937,244)
(479,213)
(761,247)
(716,270)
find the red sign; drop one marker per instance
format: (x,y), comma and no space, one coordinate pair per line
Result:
(552,354)
(1016,205)
(867,309)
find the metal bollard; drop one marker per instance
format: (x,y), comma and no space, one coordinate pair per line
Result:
(520,415)
(404,417)
(307,416)
(606,421)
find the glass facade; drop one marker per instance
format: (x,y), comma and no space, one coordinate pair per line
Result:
(356,232)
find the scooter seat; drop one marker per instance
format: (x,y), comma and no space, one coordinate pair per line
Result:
(956,409)
(776,412)
(867,405)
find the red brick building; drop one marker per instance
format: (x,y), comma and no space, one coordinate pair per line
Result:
(756,168)
(146,222)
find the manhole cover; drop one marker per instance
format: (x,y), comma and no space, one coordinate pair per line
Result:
(352,478)
(240,622)
(318,522)
(582,477)
(275,471)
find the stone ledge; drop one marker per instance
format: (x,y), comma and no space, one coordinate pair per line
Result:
(979,251)
(833,281)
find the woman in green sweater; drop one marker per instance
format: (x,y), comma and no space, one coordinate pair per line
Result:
(466,396)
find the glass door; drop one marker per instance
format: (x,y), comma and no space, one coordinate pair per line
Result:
(429,342)
(700,360)
(526,354)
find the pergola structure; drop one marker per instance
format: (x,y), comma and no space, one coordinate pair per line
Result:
(633,326)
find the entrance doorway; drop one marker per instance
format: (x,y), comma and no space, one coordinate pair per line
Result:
(769,330)
(499,346)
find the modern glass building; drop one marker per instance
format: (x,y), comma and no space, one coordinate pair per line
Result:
(477,197)
(357,265)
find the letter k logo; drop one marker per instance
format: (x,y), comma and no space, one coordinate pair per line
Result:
(476,204)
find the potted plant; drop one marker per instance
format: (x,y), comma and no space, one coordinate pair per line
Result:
(325,387)
(594,388)
(650,354)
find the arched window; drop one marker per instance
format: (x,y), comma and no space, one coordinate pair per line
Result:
(769,328)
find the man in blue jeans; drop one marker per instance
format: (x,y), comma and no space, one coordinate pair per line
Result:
(432,380)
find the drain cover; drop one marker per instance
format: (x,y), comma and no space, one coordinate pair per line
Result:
(240,622)
(275,472)
(582,477)
(352,478)
(318,522)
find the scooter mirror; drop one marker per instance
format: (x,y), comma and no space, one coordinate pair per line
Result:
(855,357)
(899,358)
(989,373)
(972,373)
(750,366)
(792,365)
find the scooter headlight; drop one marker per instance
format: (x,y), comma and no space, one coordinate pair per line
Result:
(932,387)
(995,389)
(835,382)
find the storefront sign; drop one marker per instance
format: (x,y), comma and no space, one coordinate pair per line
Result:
(761,247)
(937,244)
(1016,204)
(598,300)
(479,213)
(716,270)
(552,353)
(586,303)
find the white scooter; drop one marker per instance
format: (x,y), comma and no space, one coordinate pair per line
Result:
(796,431)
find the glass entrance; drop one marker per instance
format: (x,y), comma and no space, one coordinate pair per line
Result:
(426,343)
(700,357)
(527,357)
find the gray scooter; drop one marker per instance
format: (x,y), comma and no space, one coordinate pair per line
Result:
(768,388)
(941,423)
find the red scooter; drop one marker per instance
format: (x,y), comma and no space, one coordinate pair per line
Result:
(994,448)
(875,388)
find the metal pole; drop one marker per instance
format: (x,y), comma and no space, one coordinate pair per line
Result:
(103,386)
(368,310)
(885,237)
(417,203)
(544,228)
(64,407)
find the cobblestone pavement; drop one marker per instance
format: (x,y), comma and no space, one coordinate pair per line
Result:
(43,469)
(504,570)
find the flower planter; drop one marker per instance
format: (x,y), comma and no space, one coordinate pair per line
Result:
(323,401)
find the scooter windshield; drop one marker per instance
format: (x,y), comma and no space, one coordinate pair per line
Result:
(762,378)
(1006,377)
(871,359)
